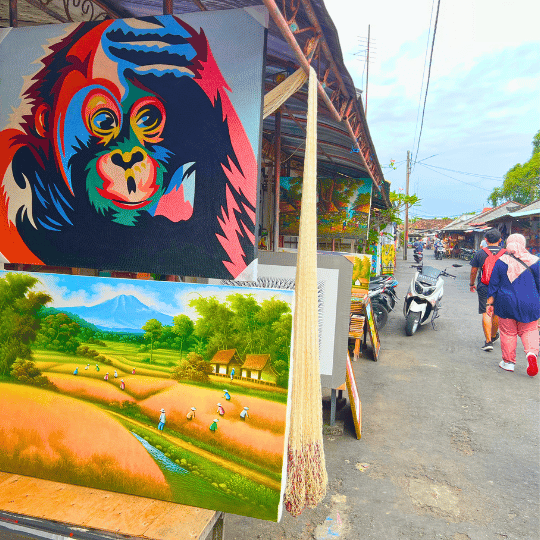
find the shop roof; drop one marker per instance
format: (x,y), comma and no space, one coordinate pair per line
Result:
(532,209)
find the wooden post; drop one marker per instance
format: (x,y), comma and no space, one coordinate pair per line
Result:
(277,175)
(13,21)
(167,7)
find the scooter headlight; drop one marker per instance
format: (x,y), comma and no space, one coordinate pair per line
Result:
(429,290)
(418,288)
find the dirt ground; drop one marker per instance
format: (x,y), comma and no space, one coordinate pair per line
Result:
(450,442)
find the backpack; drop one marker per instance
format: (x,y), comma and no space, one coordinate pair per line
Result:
(489,263)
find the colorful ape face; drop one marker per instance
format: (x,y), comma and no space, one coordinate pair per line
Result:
(130,147)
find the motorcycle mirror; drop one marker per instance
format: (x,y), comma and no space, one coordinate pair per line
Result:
(457,265)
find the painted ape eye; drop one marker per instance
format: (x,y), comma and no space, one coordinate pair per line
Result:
(104,122)
(148,120)
(102,116)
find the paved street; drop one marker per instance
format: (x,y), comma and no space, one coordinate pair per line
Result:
(450,442)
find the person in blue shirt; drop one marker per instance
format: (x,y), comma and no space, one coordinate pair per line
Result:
(514,296)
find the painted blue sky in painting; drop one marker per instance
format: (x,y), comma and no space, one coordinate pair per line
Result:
(163,296)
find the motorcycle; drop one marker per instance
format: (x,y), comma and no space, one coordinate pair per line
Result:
(383,297)
(424,297)
(439,252)
(418,256)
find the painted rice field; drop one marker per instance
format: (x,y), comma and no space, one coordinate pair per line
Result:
(141,412)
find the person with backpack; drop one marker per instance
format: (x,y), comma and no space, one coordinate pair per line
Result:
(481,266)
(514,297)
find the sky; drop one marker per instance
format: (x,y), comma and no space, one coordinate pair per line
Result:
(163,296)
(483,101)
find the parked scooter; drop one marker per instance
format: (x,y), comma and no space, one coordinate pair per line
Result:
(383,297)
(418,256)
(424,297)
(439,252)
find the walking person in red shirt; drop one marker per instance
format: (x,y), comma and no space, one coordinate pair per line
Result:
(481,265)
(514,296)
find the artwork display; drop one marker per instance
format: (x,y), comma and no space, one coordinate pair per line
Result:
(133,144)
(174,391)
(388,258)
(343,206)
(372,329)
(361,273)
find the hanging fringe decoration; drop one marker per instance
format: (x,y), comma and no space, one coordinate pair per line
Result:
(281,93)
(306,469)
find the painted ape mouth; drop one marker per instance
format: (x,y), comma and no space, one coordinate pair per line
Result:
(126,205)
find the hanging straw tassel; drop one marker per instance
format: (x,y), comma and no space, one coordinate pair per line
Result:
(306,469)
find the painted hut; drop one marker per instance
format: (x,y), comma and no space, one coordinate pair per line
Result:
(258,366)
(224,361)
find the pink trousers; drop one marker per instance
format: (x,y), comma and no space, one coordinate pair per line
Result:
(509,330)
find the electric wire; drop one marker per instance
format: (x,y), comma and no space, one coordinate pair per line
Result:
(428,78)
(462,172)
(457,180)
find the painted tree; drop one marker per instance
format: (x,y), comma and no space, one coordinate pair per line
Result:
(19,321)
(522,182)
(152,331)
(192,368)
(183,328)
(59,333)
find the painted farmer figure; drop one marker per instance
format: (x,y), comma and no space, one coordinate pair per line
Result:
(162,420)
(133,371)
(232,374)
(122,384)
(76,371)
(220,409)
(87,366)
(244,414)
(213,425)
(106,377)
(191,413)
(484,260)
(115,374)
(226,395)
(97,367)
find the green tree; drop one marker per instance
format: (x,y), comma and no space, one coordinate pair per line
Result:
(183,328)
(522,182)
(19,321)
(27,372)
(152,331)
(192,368)
(59,333)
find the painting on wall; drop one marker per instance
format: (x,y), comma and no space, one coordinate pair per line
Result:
(343,206)
(388,258)
(115,387)
(133,144)
(361,273)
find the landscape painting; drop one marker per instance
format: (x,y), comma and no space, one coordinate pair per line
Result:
(343,206)
(173,391)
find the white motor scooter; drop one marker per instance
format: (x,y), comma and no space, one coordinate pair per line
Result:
(424,297)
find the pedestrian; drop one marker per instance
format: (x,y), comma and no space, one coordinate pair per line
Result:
(220,409)
(232,374)
(191,413)
(76,371)
(226,395)
(115,374)
(106,377)
(514,296)
(244,414)
(162,420)
(122,384)
(213,425)
(481,267)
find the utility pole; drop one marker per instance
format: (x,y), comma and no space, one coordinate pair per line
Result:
(367,68)
(406,235)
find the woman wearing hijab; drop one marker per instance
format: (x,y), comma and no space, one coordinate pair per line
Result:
(514,296)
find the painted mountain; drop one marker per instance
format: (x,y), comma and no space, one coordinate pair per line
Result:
(123,313)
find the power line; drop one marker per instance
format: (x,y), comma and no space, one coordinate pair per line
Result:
(429,75)
(452,178)
(467,173)
(423,74)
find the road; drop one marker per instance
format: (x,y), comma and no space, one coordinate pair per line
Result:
(450,442)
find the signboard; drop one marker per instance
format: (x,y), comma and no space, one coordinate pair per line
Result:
(343,206)
(372,329)
(133,144)
(354,399)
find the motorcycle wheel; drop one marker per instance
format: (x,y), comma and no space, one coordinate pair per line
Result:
(390,301)
(380,313)
(411,323)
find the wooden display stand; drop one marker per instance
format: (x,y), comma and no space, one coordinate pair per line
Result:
(110,512)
